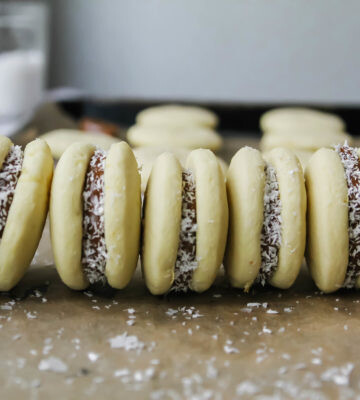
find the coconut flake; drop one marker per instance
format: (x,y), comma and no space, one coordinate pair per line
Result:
(186,261)
(52,364)
(9,176)
(351,163)
(270,240)
(126,342)
(94,252)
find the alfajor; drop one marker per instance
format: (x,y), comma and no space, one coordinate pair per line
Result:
(176,115)
(267,205)
(185,223)
(25,179)
(333,249)
(95,215)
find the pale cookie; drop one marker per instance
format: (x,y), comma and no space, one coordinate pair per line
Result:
(191,137)
(333,185)
(288,118)
(25,186)
(173,115)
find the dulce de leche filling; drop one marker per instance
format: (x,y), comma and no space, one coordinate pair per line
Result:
(94,252)
(351,163)
(270,240)
(9,176)
(186,261)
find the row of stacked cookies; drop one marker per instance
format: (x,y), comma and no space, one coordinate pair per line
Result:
(175,128)
(172,128)
(302,130)
(194,219)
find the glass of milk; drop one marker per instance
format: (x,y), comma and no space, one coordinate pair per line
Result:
(23,49)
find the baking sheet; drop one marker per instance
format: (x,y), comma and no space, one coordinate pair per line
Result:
(223,344)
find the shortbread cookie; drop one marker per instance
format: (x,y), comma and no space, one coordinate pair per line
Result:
(303,119)
(173,115)
(333,186)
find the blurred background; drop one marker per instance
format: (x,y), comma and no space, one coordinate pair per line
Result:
(112,58)
(252,51)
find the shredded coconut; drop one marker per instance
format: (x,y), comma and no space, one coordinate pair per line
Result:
(338,375)
(93,246)
(9,176)
(271,232)
(127,342)
(350,161)
(52,364)
(186,261)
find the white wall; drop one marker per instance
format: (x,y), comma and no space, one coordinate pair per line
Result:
(230,50)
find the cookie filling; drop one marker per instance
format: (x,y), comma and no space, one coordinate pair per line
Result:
(351,163)
(9,176)
(186,261)
(94,252)
(270,240)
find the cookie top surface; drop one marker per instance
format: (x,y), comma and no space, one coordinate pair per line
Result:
(288,118)
(122,214)
(327,232)
(177,115)
(161,223)
(245,189)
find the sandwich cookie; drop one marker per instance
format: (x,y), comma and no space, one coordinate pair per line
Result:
(333,249)
(25,180)
(174,115)
(267,204)
(288,118)
(190,137)
(185,223)
(95,215)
